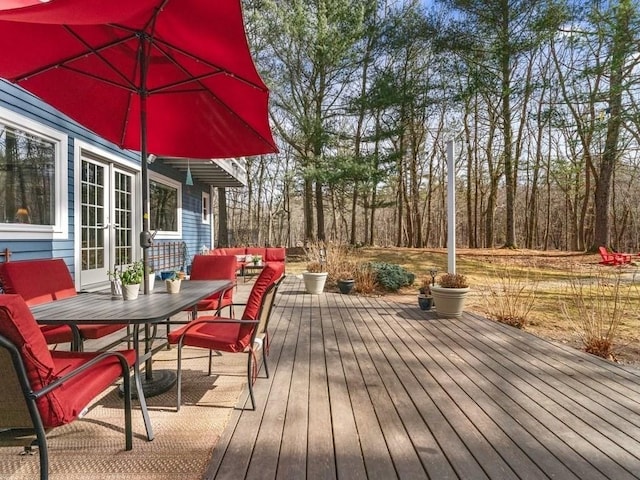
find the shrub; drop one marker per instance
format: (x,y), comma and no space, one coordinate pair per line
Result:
(345,275)
(425,286)
(510,300)
(314,267)
(596,307)
(365,278)
(453,280)
(392,277)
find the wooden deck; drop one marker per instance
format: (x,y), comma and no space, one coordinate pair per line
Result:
(367,388)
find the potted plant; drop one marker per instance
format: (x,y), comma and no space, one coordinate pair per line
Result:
(449,294)
(345,282)
(174,281)
(152,277)
(131,278)
(425,298)
(116,284)
(314,277)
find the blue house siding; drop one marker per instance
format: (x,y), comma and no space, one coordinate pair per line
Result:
(15,99)
(194,233)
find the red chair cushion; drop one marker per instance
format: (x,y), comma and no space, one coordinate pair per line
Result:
(98,331)
(213,336)
(76,393)
(214,303)
(57,333)
(235,251)
(19,326)
(38,281)
(275,254)
(215,267)
(268,276)
(63,404)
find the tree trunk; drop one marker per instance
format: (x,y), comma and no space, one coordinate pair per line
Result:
(223,228)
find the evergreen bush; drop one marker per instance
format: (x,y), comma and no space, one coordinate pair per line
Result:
(392,277)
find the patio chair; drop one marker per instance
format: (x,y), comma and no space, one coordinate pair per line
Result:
(43,389)
(47,280)
(215,267)
(230,334)
(613,258)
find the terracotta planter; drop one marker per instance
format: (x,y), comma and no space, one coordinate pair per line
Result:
(449,301)
(173,286)
(314,282)
(130,292)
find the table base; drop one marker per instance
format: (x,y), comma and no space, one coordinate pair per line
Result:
(162,381)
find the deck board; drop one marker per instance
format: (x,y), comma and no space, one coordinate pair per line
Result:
(364,387)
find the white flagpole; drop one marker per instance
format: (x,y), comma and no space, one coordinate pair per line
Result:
(451,208)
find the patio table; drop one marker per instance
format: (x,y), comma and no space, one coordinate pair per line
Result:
(146,310)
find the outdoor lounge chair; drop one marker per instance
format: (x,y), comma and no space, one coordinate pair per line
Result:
(43,389)
(230,334)
(613,258)
(47,280)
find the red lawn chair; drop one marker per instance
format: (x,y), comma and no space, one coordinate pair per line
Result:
(43,389)
(215,267)
(47,280)
(230,334)
(613,258)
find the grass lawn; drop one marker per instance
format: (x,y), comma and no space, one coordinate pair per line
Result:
(543,277)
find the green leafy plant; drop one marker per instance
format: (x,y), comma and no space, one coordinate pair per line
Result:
(176,275)
(131,275)
(392,277)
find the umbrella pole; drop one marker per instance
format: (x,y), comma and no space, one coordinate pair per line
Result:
(145,235)
(158,381)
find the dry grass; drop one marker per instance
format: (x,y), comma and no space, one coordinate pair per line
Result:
(596,305)
(545,271)
(512,297)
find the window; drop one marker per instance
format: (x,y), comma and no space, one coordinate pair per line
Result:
(165,206)
(206,200)
(33,199)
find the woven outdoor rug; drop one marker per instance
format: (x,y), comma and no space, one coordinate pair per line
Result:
(93,447)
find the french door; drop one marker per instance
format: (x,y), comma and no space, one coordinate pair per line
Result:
(107,219)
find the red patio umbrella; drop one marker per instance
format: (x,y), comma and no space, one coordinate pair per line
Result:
(168,77)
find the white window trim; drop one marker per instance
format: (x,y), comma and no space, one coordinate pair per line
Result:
(169,182)
(60,228)
(205,220)
(124,164)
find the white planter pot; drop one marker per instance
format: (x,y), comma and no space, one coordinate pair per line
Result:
(116,289)
(130,292)
(152,281)
(449,302)
(314,282)
(173,286)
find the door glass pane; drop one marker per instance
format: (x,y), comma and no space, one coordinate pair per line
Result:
(93,216)
(123,219)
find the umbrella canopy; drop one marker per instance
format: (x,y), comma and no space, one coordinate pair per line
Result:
(99,61)
(168,77)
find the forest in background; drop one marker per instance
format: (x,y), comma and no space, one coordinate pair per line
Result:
(539,96)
